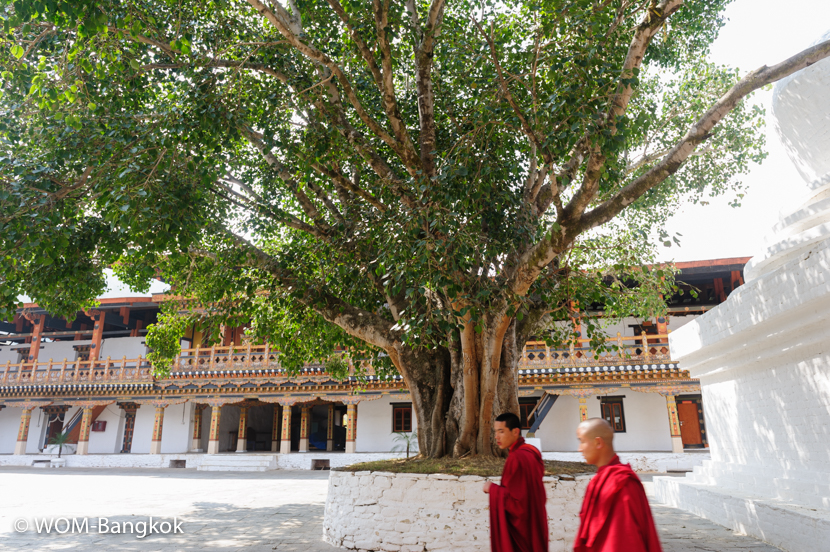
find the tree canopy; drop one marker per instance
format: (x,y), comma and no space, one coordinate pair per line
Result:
(427,183)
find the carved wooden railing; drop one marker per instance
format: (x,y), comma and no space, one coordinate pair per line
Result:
(621,351)
(68,372)
(231,357)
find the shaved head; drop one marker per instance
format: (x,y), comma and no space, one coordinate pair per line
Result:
(596,441)
(597,427)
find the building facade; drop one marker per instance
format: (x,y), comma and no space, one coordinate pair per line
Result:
(90,378)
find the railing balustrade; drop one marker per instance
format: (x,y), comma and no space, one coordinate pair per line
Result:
(535,354)
(620,351)
(77,372)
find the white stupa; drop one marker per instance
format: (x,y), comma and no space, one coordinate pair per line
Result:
(763,358)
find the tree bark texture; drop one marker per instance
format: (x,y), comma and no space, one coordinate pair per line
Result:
(458,391)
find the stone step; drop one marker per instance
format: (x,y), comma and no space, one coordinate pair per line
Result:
(238,462)
(235,468)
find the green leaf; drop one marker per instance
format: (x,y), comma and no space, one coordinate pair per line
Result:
(18,51)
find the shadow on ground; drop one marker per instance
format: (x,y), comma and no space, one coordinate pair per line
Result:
(211,526)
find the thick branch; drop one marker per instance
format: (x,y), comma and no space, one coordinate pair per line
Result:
(387,85)
(362,324)
(424,53)
(339,179)
(293,186)
(320,58)
(652,22)
(255,201)
(535,141)
(699,132)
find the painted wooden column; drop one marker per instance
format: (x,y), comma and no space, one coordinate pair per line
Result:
(37,331)
(305,423)
(242,433)
(662,326)
(583,409)
(674,424)
(196,441)
(213,440)
(86,424)
(285,440)
(23,432)
(158,426)
(330,430)
(275,429)
(351,428)
(97,334)
(129,425)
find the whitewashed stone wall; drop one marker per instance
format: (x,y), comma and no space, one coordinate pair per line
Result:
(370,511)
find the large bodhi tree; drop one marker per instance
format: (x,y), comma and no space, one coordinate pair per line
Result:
(427,183)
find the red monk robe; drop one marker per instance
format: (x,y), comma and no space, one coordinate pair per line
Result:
(615,515)
(518,519)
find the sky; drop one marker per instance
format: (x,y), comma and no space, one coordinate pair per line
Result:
(759,32)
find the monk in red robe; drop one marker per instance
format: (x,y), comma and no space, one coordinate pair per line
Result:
(518,519)
(615,515)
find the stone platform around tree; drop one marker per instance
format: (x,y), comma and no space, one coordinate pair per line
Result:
(408,512)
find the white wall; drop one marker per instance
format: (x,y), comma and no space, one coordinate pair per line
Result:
(111,439)
(374,425)
(558,430)
(677,322)
(9,426)
(143,431)
(177,430)
(646,422)
(7,354)
(59,350)
(119,347)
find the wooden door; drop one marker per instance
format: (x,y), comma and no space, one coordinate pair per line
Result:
(689,423)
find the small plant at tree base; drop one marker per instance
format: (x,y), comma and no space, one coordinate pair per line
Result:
(408,441)
(60,440)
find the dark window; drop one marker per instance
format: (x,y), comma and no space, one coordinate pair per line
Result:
(526,406)
(612,411)
(401,418)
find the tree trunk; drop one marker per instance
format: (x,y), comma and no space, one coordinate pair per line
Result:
(457,392)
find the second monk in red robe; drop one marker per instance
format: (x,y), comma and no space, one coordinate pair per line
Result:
(615,515)
(518,519)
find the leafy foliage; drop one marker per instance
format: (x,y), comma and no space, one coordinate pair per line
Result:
(359,179)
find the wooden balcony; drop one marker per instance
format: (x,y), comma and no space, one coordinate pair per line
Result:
(643,349)
(76,372)
(250,358)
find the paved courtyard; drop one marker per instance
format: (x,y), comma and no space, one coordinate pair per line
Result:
(280,510)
